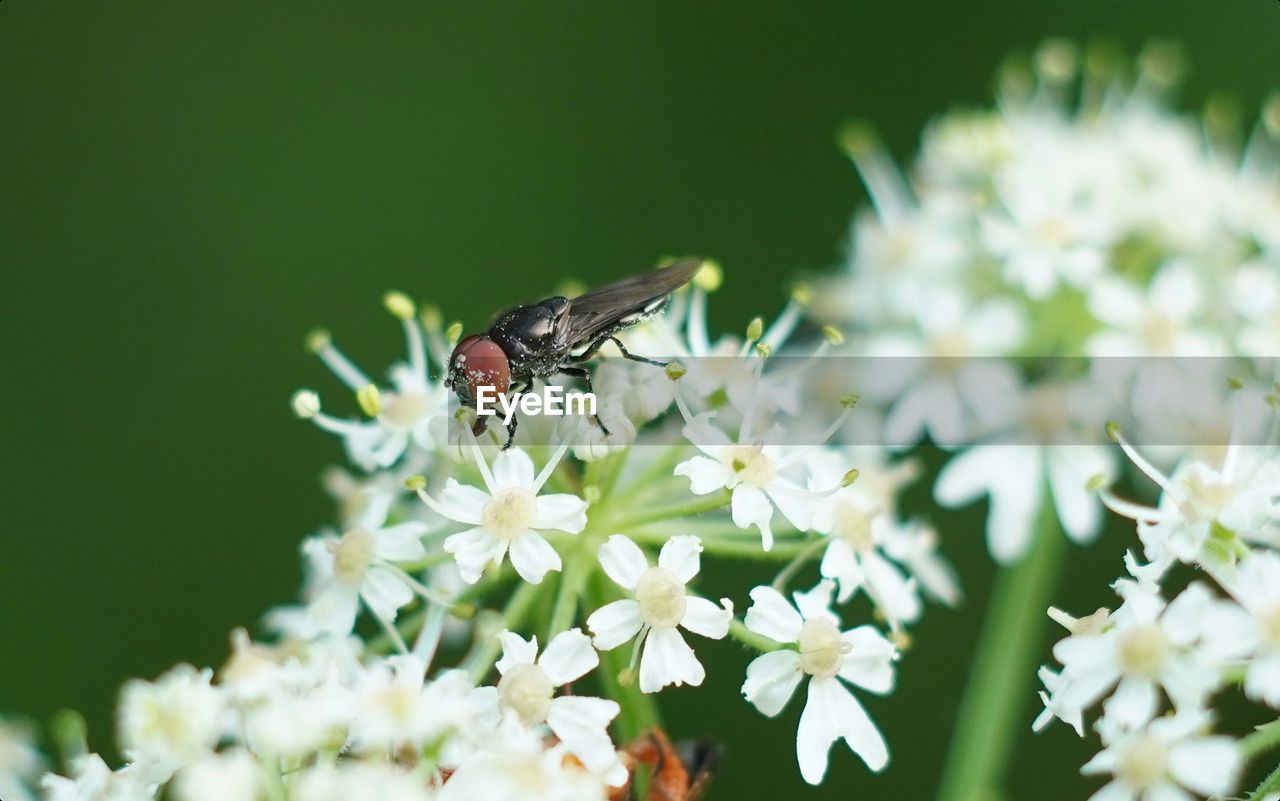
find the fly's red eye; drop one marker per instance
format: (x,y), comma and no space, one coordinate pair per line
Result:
(477,362)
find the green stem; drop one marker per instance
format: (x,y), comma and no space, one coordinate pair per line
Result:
(639,711)
(485,651)
(1269,785)
(801,559)
(990,716)
(734,543)
(697,505)
(744,635)
(572,582)
(1262,739)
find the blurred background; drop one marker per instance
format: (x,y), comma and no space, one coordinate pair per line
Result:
(186,189)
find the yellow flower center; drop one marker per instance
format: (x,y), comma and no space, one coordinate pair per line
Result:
(750,465)
(1143,762)
(353,555)
(854,525)
(510,512)
(821,648)
(661,596)
(1142,650)
(403,412)
(526,690)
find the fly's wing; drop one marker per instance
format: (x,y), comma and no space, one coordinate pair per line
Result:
(620,304)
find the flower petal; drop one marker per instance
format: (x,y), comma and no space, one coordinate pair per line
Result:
(668,659)
(701,616)
(384,592)
(472,549)
(563,512)
(1208,765)
(581,723)
(568,657)
(870,662)
(771,680)
(613,624)
(516,650)
(751,507)
(462,502)
(680,556)
(623,561)
(831,712)
(770,615)
(513,468)
(401,543)
(705,474)
(532,557)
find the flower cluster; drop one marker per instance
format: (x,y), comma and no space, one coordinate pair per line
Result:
(1081,216)
(495,623)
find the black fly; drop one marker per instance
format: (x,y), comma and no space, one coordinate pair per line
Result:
(557,336)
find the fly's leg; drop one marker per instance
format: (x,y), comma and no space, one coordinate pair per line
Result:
(511,430)
(585,375)
(626,354)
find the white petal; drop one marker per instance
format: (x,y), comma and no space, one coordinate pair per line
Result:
(668,659)
(701,616)
(870,662)
(771,680)
(568,657)
(796,506)
(623,561)
(705,475)
(1208,765)
(680,556)
(816,603)
(582,724)
(513,468)
(1133,704)
(1070,467)
(840,563)
(516,650)
(562,512)
(384,592)
(831,712)
(462,502)
(334,610)
(896,595)
(613,624)
(401,543)
(472,549)
(771,616)
(750,506)
(533,557)
(1262,682)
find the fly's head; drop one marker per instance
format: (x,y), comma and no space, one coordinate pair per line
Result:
(478,362)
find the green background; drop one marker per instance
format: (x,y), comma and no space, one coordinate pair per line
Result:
(186,188)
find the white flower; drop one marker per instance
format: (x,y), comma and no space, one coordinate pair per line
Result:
(752,471)
(20,761)
(297,719)
(860,530)
(94,781)
(233,775)
(527,691)
(412,412)
(1162,321)
(396,706)
(507,514)
(860,656)
(172,721)
(516,765)
(360,566)
(659,604)
(351,780)
(1238,496)
(1145,646)
(1165,759)
(1252,628)
(1015,477)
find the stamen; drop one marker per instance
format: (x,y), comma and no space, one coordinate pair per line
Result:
(305,403)
(321,344)
(1134,511)
(890,196)
(1140,461)
(370,400)
(696,323)
(549,467)
(785,325)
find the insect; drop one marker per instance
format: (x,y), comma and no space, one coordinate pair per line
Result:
(677,773)
(557,336)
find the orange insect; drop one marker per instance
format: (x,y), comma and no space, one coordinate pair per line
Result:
(679,772)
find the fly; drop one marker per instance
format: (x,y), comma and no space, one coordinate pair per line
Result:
(557,336)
